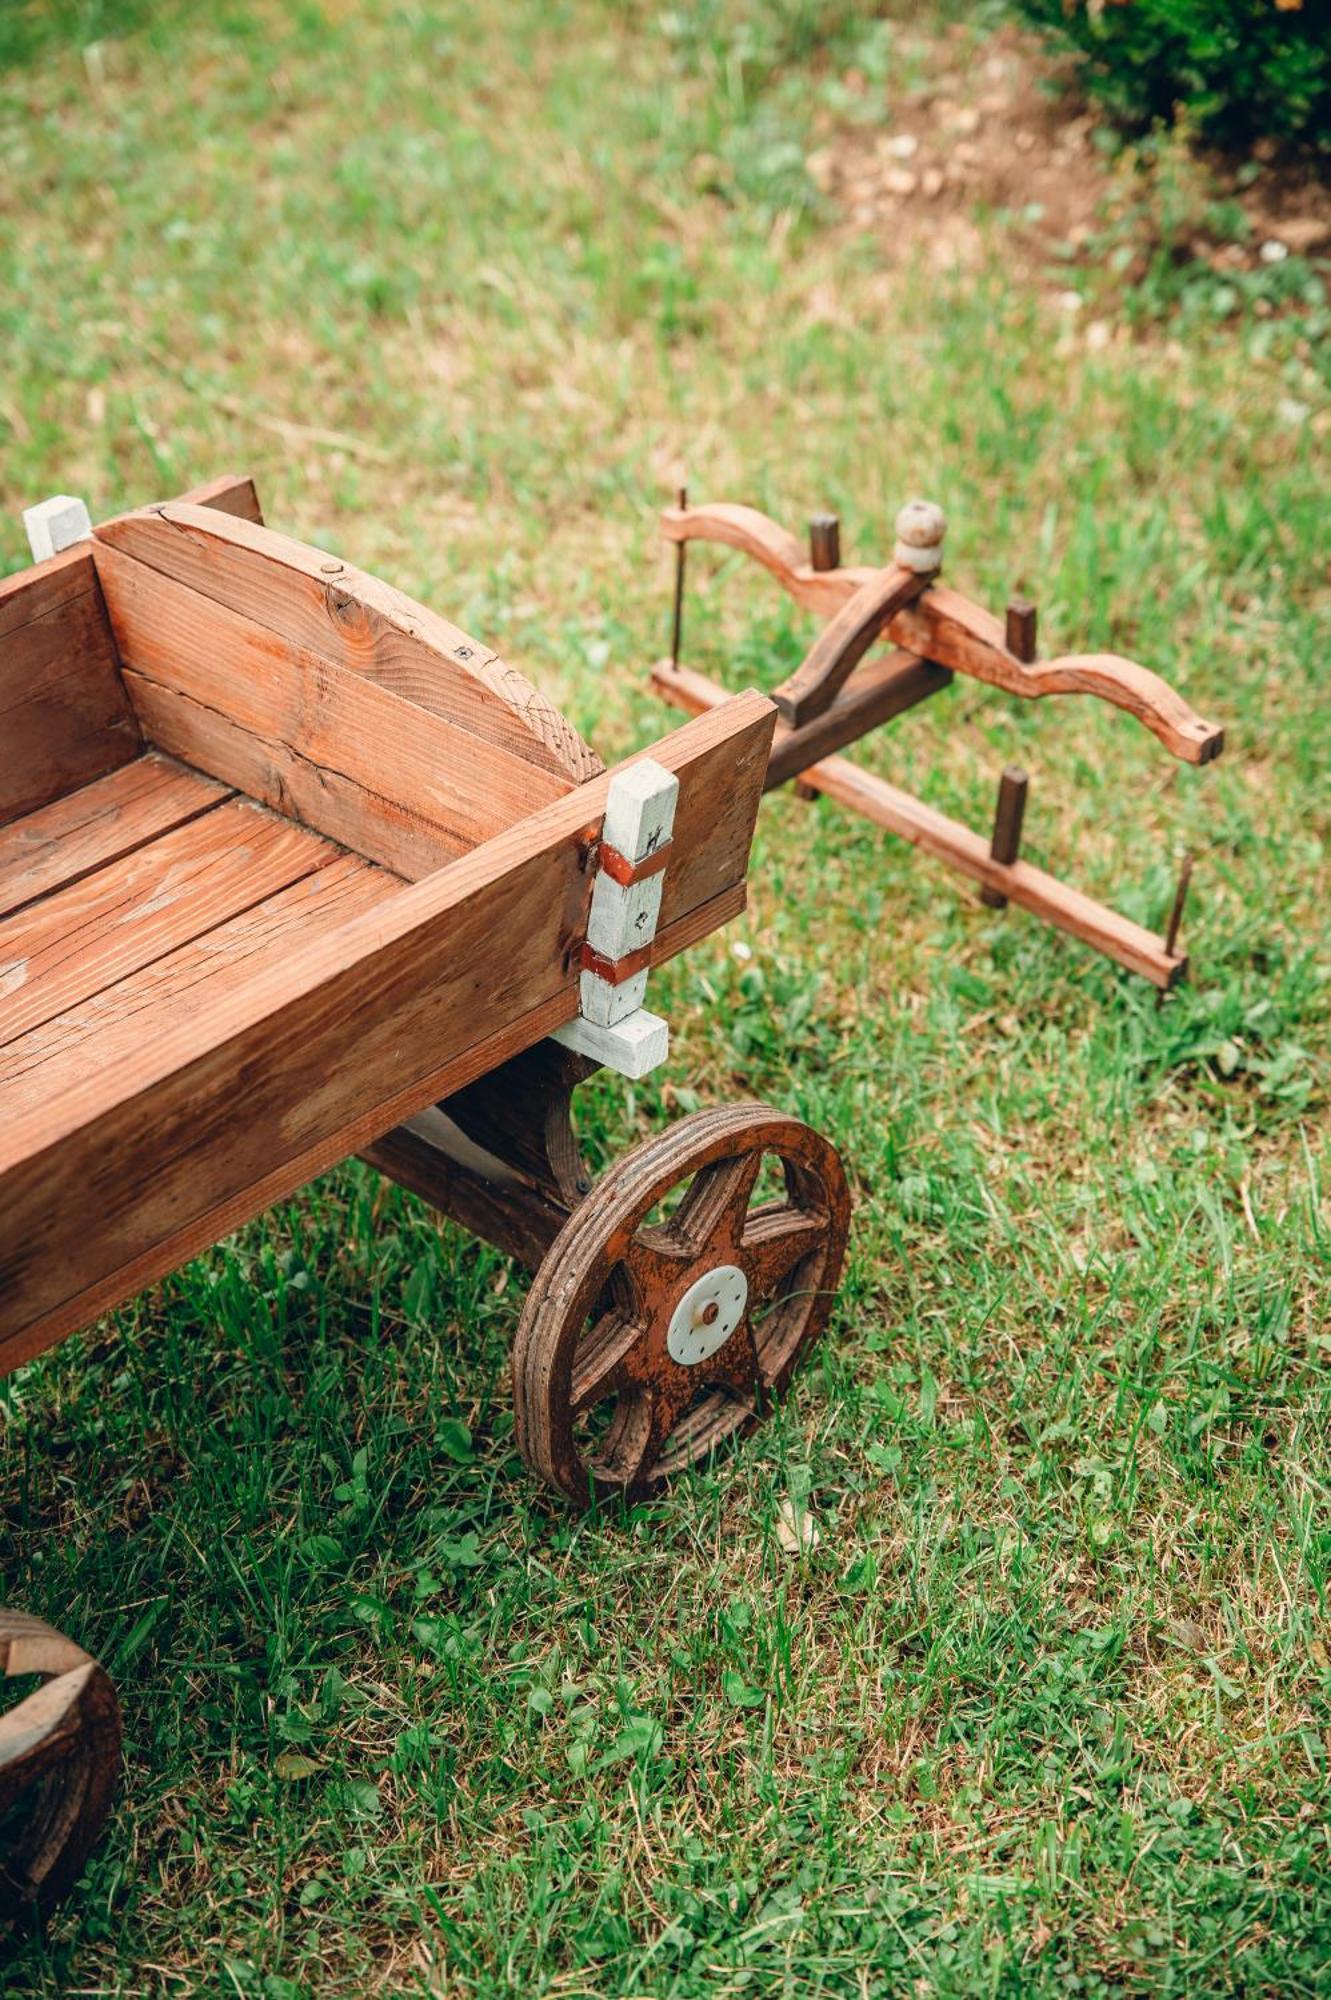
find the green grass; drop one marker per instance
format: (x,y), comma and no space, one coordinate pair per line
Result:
(1046,1711)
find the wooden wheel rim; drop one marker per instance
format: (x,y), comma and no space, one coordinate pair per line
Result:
(59,1760)
(607,1264)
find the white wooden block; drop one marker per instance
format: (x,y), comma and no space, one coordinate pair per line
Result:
(56,524)
(640,809)
(606,1004)
(623,920)
(634,1046)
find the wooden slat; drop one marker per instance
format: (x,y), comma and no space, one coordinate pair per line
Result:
(65,718)
(874,693)
(227,1109)
(394,782)
(322,605)
(231,493)
(1127,943)
(45,587)
(109,1027)
(59,843)
(73,943)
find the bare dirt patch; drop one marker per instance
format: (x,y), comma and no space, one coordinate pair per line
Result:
(1003,132)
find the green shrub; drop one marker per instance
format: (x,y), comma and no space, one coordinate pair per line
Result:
(1243,69)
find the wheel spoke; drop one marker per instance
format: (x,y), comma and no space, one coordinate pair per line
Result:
(667,1401)
(657,1263)
(775,1240)
(712,1214)
(736,1367)
(604,1363)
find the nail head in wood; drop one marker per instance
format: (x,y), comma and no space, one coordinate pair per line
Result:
(56,524)
(921,526)
(1008,816)
(825,541)
(1021,627)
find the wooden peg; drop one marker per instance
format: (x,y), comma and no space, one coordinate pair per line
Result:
(1021,623)
(1008,816)
(825,541)
(677,622)
(1180,898)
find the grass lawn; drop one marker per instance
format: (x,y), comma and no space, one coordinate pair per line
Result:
(1048,1708)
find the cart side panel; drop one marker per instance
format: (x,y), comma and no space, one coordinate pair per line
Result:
(65,717)
(235,1105)
(392,781)
(324,606)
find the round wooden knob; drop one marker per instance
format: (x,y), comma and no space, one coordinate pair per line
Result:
(921,526)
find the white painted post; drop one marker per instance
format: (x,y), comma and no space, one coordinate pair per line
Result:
(56,524)
(613,1026)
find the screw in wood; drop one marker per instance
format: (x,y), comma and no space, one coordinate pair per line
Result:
(1021,624)
(825,541)
(677,623)
(1009,813)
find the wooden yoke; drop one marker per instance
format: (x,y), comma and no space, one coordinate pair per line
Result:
(832,699)
(943,626)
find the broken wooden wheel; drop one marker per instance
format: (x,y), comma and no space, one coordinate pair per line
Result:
(59,1760)
(648,1338)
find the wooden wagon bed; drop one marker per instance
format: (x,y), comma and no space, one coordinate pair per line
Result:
(284,859)
(292,869)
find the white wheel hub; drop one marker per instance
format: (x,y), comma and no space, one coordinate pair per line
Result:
(707,1315)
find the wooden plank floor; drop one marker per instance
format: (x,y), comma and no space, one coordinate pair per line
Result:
(124,900)
(62,842)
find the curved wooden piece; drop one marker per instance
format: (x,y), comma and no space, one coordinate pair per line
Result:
(758,535)
(943,626)
(323,605)
(946,627)
(59,1761)
(843,642)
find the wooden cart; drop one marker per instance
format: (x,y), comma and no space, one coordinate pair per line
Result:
(292,869)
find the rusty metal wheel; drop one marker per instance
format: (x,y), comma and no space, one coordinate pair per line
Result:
(644,1342)
(59,1760)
